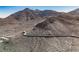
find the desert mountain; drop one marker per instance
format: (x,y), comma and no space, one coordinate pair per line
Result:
(24,20)
(40,26)
(27,14)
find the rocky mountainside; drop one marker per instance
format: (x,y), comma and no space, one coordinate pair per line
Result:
(46,31)
(75,12)
(24,20)
(49,35)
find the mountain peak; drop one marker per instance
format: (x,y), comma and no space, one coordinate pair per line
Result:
(27,9)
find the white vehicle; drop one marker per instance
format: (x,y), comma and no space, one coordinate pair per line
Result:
(24,33)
